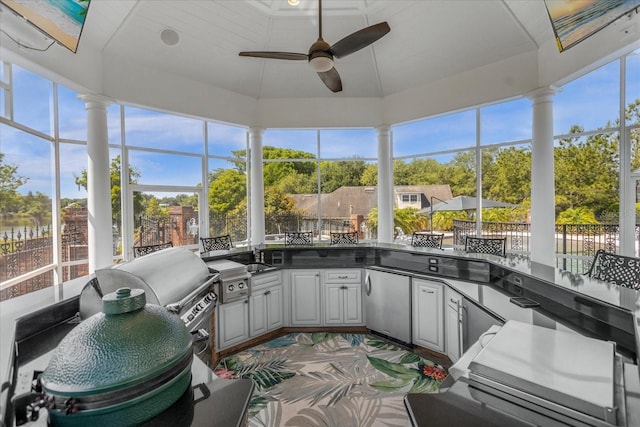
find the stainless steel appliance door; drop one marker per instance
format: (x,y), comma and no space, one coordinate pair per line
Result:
(388,304)
(475,322)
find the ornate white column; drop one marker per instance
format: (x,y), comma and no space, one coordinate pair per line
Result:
(385,185)
(256,187)
(98,183)
(543,244)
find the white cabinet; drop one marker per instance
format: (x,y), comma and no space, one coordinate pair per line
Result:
(233,326)
(428,316)
(342,297)
(453,323)
(305,298)
(265,303)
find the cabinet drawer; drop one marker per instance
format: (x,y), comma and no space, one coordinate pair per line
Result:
(263,280)
(342,276)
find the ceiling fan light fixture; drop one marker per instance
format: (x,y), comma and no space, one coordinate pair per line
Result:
(293,2)
(321,64)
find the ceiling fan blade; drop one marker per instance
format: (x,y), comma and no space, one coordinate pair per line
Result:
(277,55)
(360,39)
(332,80)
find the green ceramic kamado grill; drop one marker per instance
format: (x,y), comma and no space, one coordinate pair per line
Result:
(119,367)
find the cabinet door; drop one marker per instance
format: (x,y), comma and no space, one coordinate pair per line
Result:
(305,298)
(352,304)
(428,316)
(258,313)
(232,323)
(388,304)
(452,323)
(333,310)
(275,314)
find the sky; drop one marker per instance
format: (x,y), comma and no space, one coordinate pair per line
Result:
(148,130)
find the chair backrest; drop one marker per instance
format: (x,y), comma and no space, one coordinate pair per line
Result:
(617,269)
(298,238)
(350,238)
(427,240)
(216,243)
(139,251)
(486,245)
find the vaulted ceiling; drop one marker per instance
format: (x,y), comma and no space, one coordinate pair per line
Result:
(429,40)
(154,52)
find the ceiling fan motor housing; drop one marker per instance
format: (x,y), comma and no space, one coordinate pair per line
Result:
(320,48)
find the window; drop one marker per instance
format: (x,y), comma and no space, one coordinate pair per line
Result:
(410,198)
(32,97)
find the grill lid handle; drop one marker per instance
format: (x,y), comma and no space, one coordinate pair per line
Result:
(193,296)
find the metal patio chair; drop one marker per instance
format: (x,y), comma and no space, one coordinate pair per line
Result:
(427,240)
(298,238)
(486,245)
(350,238)
(616,269)
(139,251)
(216,243)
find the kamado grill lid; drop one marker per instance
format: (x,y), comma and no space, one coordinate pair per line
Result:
(130,343)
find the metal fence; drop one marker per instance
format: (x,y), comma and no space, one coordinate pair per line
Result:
(276,225)
(151,231)
(576,244)
(25,250)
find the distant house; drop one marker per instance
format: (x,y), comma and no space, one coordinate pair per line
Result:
(347,201)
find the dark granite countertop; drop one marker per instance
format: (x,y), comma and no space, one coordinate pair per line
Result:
(561,292)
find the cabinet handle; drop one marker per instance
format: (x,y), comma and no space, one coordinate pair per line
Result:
(367,282)
(343,277)
(429,292)
(267,293)
(455,301)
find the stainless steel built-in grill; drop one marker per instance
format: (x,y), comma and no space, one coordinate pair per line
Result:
(235,280)
(571,379)
(175,278)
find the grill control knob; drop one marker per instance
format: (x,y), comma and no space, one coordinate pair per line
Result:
(231,288)
(241,285)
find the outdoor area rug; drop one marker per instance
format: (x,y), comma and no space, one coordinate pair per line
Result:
(327,379)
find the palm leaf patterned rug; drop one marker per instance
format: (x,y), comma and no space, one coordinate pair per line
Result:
(327,379)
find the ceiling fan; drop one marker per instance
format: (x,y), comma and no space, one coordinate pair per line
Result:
(321,54)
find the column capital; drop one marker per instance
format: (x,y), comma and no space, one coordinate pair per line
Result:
(95,99)
(543,93)
(383,128)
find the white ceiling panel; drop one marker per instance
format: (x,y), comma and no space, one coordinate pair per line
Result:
(429,40)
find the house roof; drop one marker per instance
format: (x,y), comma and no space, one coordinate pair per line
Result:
(349,200)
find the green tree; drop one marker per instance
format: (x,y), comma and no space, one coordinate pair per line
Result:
(418,172)
(273,172)
(580,215)
(509,179)
(10,181)
(227,188)
(278,203)
(443,220)
(297,183)
(586,172)
(155,211)
(408,219)
(116,189)
(336,174)
(460,173)
(370,175)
